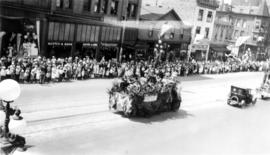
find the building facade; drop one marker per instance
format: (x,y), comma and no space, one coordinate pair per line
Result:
(251,20)
(69,27)
(222,34)
(175,39)
(199,14)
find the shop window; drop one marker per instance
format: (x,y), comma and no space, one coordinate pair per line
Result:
(132,10)
(209,16)
(104,6)
(206,32)
(87,5)
(97,6)
(64,4)
(114,7)
(200,16)
(198,30)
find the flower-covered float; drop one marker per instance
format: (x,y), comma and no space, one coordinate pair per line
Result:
(144,96)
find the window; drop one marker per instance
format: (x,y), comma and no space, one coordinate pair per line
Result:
(257,25)
(209,16)
(132,10)
(236,34)
(221,34)
(238,23)
(114,7)
(251,11)
(97,6)
(171,35)
(87,5)
(151,31)
(244,23)
(64,4)
(242,33)
(200,17)
(255,37)
(206,32)
(104,6)
(198,30)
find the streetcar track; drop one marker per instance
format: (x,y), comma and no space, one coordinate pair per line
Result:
(64,117)
(62,108)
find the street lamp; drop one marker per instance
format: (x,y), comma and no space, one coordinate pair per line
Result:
(9,91)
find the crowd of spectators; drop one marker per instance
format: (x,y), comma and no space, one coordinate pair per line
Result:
(47,70)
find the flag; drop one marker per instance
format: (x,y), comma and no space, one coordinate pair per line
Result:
(241,40)
(165,28)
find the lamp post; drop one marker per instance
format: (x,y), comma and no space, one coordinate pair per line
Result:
(9,91)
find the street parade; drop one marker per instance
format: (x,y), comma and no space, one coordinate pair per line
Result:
(118,77)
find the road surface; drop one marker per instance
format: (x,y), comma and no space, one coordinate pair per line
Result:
(73,118)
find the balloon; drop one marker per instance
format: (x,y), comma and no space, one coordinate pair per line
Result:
(9,90)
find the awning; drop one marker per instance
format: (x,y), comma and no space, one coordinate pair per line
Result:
(219,48)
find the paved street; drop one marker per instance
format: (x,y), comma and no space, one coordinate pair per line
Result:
(73,118)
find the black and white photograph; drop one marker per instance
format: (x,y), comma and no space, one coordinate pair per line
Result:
(135,77)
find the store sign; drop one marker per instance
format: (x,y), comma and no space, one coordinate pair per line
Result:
(59,44)
(199,47)
(90,45)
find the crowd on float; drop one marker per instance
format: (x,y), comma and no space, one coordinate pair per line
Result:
(46,70)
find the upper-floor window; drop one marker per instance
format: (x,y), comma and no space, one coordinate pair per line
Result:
(198,30)
(257,25)
(132,10)
(242,33)
(114,7)
(209,16)
(236,34)
(87,5)
(97,6)
(64,4)
(238,23)
(200,16)
(151,31)
(206,32)
(104,6)
(244,23)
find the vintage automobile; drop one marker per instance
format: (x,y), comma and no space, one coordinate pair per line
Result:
(264,90)
(241,97)
(144,99)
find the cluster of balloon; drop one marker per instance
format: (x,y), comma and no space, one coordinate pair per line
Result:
(9,90)
(159,47)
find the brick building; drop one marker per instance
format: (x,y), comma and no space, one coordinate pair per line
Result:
(69,27)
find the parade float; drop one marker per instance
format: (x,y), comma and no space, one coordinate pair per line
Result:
(144,96)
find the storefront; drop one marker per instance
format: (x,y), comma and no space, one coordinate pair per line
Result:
(19,36)
(199,52)
(218,52)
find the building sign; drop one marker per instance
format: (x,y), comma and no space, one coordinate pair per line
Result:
(90,45)
(59,44)
(199,47)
